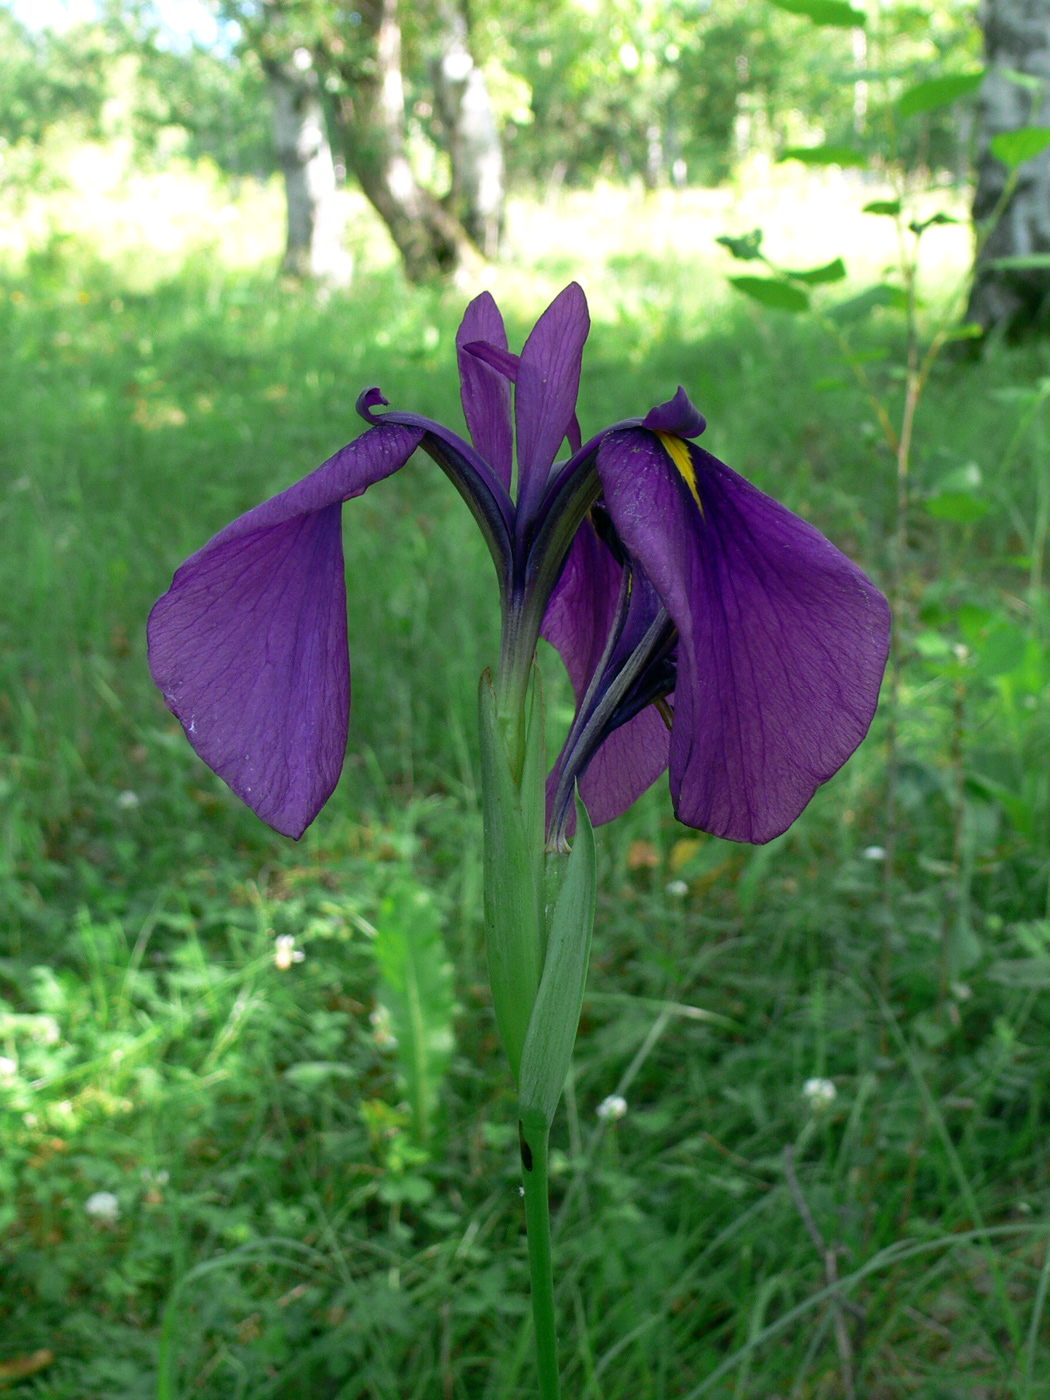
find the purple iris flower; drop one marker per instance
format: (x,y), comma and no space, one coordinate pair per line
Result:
(705,628)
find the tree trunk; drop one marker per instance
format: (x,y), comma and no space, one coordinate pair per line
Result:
(1017,41)
(473,136)
(315,223)
(371,114)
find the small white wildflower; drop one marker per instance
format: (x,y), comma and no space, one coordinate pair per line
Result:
(677,889)
(285,952)
(819,1093)
(8,1067)
(103,1206)
(127,800)
(612,1107)
(874,853)
(383,1036)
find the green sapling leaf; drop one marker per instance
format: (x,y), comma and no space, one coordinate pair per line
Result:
(892,207)
(938,92)
(825,155)
(836,13)
(781,295)
(1020,262)
(1013,148)
(830,272)
(747,247)
(556,1013)
(862,305)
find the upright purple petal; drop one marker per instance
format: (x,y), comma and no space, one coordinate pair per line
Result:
(782,640)
(548,383)
(249,646)
(485,392)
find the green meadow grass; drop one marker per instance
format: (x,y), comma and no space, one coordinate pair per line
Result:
(282,1227)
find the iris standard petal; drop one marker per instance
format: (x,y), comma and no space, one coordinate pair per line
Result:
(485,392)
(249,646)
(782,640)
(547,385)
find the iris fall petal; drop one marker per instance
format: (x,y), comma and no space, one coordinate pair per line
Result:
(782,640)
(249,644)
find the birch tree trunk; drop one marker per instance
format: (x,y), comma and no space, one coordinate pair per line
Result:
(315,223)
(473,135)
(1017,42)
(370,109)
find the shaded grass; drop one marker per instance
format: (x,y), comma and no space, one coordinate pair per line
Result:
(277,1236)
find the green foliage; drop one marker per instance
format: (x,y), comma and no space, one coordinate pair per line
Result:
(768,291)
(836,13)
(824,155)
(278,1232)
(939,92)
(1013,148)
(416,993)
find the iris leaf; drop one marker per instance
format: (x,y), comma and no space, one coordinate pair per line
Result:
(556,1014)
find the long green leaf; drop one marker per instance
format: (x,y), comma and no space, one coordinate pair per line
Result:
(556,1014)
(416,989)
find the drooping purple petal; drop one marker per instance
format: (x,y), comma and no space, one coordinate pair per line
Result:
(547,386)
(249,646)
(485,391)
(782,639)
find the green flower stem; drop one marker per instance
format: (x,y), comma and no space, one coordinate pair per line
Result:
(534,1133)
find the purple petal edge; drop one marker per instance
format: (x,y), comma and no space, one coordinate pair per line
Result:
(678,416)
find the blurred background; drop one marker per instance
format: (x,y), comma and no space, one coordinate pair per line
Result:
(257,1137)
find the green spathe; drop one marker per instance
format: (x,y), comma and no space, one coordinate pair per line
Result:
(556,1012)
(512,808)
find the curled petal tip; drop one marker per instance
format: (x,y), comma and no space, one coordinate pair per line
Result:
(678,416)
(367,400)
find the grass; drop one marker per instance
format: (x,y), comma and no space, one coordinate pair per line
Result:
(280,1227)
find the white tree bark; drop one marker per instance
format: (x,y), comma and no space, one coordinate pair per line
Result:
(315,247)
(1017,45)
(473,136)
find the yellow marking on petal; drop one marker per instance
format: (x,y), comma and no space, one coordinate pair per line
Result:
(678,452)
